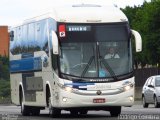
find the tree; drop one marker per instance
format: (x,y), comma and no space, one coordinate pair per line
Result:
(4,77)
(4,68)
(146,20)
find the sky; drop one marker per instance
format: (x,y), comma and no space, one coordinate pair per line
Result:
(13,12)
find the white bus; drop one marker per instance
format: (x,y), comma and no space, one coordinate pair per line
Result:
(57,60)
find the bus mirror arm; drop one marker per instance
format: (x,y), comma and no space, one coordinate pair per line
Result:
(138,40)
(55,43)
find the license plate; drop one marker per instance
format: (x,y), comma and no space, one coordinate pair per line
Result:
(99,100)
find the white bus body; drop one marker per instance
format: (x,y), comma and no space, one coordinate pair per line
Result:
(57,60)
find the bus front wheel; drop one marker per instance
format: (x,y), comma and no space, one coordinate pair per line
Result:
(53,112)
(83,112)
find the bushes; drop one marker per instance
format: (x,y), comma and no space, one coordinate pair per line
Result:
(4,88)
(4,68)
(4,78)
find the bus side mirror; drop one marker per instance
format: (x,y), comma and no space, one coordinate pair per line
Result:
(55,43)
(138,40)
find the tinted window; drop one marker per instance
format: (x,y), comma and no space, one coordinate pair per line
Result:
(148,81)
(93,33)
(30,37)
(112,33)
(41,38)
(157,81)
(151,82)
(24,42)
(84,49)
(16,44)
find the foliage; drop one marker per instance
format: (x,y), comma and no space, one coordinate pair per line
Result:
(4,68)
(4,88)
(4,77)
(146,20)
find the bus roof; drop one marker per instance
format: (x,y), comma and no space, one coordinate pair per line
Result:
(83,13)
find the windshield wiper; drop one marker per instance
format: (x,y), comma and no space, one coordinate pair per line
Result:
(87,66)
(108,68)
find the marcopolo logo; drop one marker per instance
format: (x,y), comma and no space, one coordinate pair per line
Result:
(98,80)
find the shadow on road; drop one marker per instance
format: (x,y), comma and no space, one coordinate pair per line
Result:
(68,116)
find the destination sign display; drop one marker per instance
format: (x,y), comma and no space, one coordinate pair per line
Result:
(78,28)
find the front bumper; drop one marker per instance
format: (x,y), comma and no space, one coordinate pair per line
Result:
(67,99)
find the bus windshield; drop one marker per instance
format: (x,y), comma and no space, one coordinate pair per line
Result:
(102,51)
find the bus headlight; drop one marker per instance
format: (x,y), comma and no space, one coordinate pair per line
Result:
(68,89)
(128,87)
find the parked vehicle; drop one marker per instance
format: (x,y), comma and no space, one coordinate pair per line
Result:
(151,91)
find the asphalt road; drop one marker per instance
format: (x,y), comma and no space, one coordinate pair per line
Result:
(136,112)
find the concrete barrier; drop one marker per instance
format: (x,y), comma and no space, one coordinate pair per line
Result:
(138,93)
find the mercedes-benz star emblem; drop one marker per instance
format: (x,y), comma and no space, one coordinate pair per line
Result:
(99,92)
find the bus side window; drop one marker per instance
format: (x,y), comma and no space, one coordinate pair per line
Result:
(41,36)
(31,38)
(16,43)
(24,41)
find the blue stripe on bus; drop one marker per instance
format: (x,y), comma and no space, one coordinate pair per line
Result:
(82,88)
(26,64)
(79,84)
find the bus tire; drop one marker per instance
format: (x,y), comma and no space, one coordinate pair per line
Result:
(83,112)
(53,112)
(74,112)
(115,111)
(35,111)
(25,110)
(145,105)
